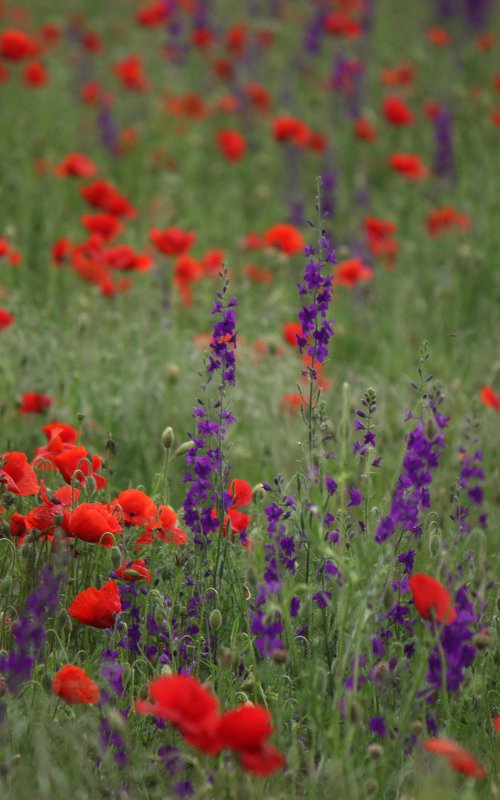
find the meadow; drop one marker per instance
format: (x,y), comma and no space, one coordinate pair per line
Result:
(250,398)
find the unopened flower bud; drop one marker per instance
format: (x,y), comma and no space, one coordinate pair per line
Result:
(482,640)
(115,557)
(215,619)
(280,656)
(166,671)
(5,585)
(184,448)
(258,493)
(46,681)
(227,658)
(116,721)
(167,438)
(249,683)
(63,620)
(370,788)
(417,727)
(375,751)
(172,373)
(381,670)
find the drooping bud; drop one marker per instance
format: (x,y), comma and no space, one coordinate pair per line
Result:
(215,620)
(115,557)
(184,448)
(167,438)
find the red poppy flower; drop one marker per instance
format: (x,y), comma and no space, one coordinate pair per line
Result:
(91,93)
(257,274)
(202,37)
(292,402)
(338,23)
(163,528)
(459,759)
(106,226)
(284,237)
(74,686)
(173,241)
(97,607)
(134,571)
(90,522)
(103,195)
(152,14)
(496,724)
(16,45)
(35,74)
(264,761)
(123,257)
(187,270)
(6,318)
(245,727)
(431,599)
(183,701)
(349,273)
(258,96)
(365,130)
(290,332)
(401,75)
(130,71)
(212,262)
(77,165)
(76,463)
(396,111)
(439,37)
(232,144)
(290,129)
(490,398)
(60,436)
(17,474)
(409,165)
(35,403)
(446,219)
(136,507)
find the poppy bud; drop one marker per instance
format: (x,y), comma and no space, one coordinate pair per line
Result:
(370,788)
(258,493)
(63,620)
(356,713)
(184,448)
(3,686)
(116,721)
(27,551)
(116,557)
(227,658)
(375,751)
(249,683)
(172,373)
(46,681)
(482,640)
(166,671)
(90,484)
(417,727)
(5,585)
(167,438)
(381,670)
(215,619)
(211,595)
(280,656)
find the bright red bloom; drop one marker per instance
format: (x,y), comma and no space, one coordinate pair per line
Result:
(232,144)
(77,165)
(106,226)
(163,528)
(35,74)
(16,45)
(409,165)
(97,607)
(349,273)
(459,759)
(365,130)
(290,129)
(183,701)
(136,507)
(152,14)
(90,522)
(6,318)
(258,96)
(245,727)
(212,262)
(338,23)
(490,398)
(124,258)
(187,270)
(396,111)
(103,195)
(290,332)
(92,42)
(439,37)
(76,463)
(60,436)
(19,476)
(74,686)
(91,93)
(496,724)
(264,761)
(134,571)
(35,403)
(445,219)
(431,599)
(285,237)
(130,71)
(173,241)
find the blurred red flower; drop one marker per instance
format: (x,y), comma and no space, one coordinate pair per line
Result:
(35,403)
(74,686)
(490,398)
(459,759)
(431,599)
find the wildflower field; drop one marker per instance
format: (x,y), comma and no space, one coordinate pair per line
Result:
(249,399)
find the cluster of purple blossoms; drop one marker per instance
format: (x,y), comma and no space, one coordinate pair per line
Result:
(470,479)
(316,293)
(456,646)
(444,158)
(207,472)
(411,494)
(29,630)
